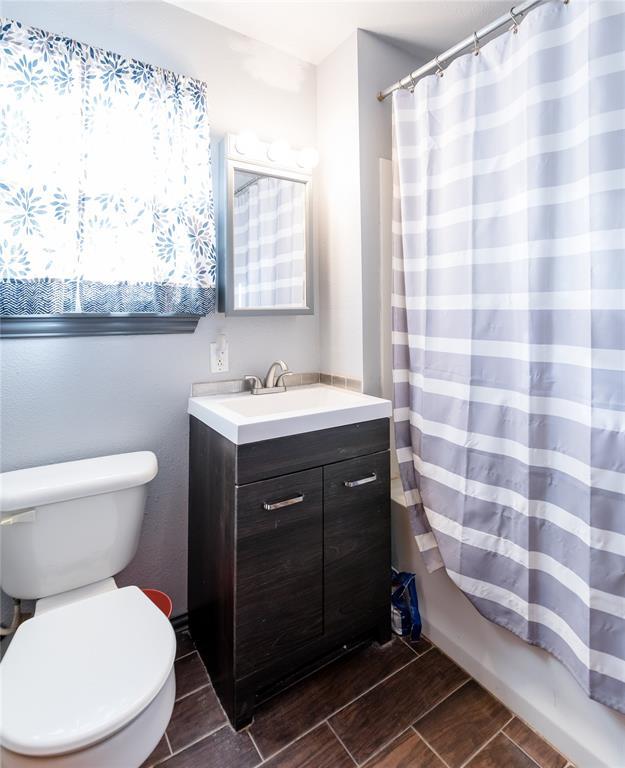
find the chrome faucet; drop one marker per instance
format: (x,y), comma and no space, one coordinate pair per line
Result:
(274,381)
(271,380)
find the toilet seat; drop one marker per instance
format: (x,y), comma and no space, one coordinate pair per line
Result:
(76,674)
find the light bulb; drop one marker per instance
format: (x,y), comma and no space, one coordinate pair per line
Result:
(308,158)
(246,142)
(278,151)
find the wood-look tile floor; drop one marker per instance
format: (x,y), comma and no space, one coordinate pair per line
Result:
(402,705)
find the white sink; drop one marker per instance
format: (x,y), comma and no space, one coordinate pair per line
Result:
(246,418)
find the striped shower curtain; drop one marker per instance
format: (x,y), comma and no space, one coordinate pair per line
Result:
(509,331)
(269,244)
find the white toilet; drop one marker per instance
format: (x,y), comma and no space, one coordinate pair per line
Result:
(88,682)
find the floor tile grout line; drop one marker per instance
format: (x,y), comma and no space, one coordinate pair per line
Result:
(248,729)
(372,687)
(171,751)
(184,655)
(417,653)
(440,701)
(539,736)
(430,747)
(326,721)
(290,743)
(386,744)
(396,736)
(379,749)
(317,724)
(296,739)
(304,733)
(224,724)
(336,711)
(267,759)
(337,659)
(342,743)
(364,693)
(332,714)
(424,653)
(486,743)
(255,745)
(481,749)
(163,759)
(518,746)
(201,738)
(195,690)
(210,683)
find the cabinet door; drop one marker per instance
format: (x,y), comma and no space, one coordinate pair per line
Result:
(279,576)
(357,543)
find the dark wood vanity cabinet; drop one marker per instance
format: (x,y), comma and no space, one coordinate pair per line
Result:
(289,554)
(279,567)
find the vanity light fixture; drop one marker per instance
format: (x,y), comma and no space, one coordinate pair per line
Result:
(246,142)
(245,146)
(308,158)
(278,152)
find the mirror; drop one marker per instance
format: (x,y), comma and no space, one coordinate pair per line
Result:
(268,242)
(267,253)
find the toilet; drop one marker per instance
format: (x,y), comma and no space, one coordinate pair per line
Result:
(88,681)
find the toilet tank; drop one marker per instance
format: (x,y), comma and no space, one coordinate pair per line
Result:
(64,526)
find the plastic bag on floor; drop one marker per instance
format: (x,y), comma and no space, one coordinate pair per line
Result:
(405,617)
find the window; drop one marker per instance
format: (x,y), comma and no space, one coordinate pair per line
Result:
(106,205)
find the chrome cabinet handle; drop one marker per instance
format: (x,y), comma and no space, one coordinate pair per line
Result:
(363,481)
(286,503)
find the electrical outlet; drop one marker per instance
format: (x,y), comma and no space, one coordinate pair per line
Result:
(219,360)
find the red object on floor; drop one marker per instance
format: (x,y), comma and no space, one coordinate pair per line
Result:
(160,600)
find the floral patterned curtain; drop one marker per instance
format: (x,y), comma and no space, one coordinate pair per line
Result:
(105,182)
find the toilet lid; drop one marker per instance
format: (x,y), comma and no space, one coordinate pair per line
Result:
(77,674)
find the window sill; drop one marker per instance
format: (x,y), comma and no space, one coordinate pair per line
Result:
(35,326)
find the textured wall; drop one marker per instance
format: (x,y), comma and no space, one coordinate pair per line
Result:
(63,399)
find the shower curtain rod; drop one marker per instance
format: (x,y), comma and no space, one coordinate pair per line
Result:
(473,40)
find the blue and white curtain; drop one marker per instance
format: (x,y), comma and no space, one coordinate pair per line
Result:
(105,182)
(509,331)
(269,244)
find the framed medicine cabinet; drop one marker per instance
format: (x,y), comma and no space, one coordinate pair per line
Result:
(265,264)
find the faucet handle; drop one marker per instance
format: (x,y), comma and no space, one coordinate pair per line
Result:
(280,380)
(254,382)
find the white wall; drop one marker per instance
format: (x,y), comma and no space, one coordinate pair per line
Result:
(379,65)
(69,398)
(340,275)
(354,131)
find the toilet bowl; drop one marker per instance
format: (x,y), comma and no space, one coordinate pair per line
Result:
(88,681)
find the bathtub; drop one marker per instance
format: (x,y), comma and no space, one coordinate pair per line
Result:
(531,682)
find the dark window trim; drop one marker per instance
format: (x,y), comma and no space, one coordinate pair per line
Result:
(84,324)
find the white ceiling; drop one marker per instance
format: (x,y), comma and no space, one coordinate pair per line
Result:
(312,30)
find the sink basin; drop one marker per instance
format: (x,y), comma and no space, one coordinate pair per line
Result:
(246,418)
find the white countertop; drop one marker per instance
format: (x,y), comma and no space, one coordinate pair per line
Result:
(246,418)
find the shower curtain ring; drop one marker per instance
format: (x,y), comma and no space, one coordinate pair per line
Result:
(515,24)
(413,82)
(476,44)
(439,70)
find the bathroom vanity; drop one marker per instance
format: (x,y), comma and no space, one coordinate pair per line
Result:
(289,535)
